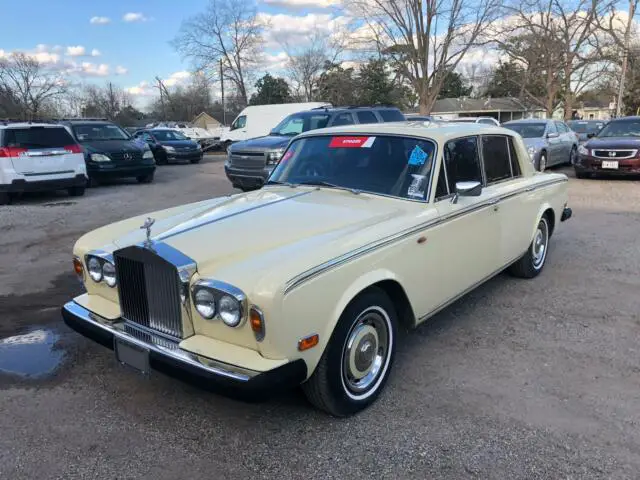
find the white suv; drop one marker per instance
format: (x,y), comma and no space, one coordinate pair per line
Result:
(37,157)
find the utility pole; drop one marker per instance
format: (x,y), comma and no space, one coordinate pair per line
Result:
(224,110)
(625,57)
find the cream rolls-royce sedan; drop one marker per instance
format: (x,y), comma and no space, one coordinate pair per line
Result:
(359,230)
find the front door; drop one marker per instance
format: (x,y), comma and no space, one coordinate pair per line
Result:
(467,236)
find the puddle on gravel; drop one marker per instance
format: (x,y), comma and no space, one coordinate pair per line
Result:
(31,355)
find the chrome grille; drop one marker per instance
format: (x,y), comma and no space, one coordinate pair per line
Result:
(149,290)
(248,159)
(614,154)
(125,157)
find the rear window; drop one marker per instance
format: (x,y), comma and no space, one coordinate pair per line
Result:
(37,137)
(391,115)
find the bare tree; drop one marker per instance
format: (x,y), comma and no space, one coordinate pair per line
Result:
(425,39)
(555,42)
(30,83)
(107,101)
(306,62)
(228,30)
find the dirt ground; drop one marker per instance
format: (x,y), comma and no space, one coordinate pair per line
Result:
(519,379)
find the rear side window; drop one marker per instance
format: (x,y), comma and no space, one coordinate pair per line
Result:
(515,164)
(37,137)
(367,117)
(495,155)
(391,115)
(486,121)
(462,161)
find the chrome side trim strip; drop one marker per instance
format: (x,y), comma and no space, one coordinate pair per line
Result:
(116,328)
(40,174)
(224,217)
(444,305)
(368,248)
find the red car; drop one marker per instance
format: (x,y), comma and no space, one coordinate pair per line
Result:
(615,150)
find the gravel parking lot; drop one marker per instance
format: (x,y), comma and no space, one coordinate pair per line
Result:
(519,379)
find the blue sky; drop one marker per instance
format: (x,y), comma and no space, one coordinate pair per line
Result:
(130,53)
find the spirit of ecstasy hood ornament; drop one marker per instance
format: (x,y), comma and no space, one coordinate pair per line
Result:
(147,226)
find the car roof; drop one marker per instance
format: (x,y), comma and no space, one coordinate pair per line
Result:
(29,124)
(530,120)
(350,109)
(632,118)
(438,131)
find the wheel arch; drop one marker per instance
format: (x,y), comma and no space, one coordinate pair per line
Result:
(545,209)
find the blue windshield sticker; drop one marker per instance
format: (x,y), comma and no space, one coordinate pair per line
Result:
(418,156)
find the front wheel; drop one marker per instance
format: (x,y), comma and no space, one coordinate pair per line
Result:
(5,199)
(573,155)
(542,163)
(356,363)
(532,262)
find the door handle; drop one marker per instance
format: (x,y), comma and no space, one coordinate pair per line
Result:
(495,201)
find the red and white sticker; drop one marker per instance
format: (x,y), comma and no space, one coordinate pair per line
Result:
(351,142)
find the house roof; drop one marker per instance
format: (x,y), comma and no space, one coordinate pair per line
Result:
(464,105)
(207,118)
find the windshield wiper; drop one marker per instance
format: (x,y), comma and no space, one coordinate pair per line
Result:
(276,182)
(322,183)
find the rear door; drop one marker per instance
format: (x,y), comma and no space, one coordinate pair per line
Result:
(555,143)
(42,150)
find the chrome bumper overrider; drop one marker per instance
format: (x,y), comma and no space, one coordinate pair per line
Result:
(160,345)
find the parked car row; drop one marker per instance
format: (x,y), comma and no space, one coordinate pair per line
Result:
(72,154)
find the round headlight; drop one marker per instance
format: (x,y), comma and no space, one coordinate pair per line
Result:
(230,311)
(205,303)
(109,274)
(95,269)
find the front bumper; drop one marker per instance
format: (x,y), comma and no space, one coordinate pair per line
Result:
(169,359)
(108,171)
(248,178)
(192,156)
(593,165)
(21,185)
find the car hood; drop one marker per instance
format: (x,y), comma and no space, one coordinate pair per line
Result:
(269,142)
(179,143)
(614,142)
(274,221)
(114,146)
(535,142)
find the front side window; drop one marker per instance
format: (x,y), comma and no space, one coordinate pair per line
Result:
(551,128)
(239,122)
(298,123)
(462,161)
(98,132)
(561,127)
(495,156)
(396,166)
(527,130)
(342,119)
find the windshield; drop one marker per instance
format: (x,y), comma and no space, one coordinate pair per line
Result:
(585,127)
(621,128)
(168,135)
(396,166)
(298,123)
(527,130)
(90,133)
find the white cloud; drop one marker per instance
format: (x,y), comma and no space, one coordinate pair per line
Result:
(143,89)
(176,78)
(301,4)
(294,29)
(95,52)
(134,17)
(76,51)
(99,20)
(89,69)
(147,89)
(120,70)
(273,63)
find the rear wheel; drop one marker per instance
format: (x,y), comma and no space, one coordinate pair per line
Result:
(76,191)
(145,178)
(356,363)
(196,160)
(572,155)
(532,262)
(5,199)
(542,163)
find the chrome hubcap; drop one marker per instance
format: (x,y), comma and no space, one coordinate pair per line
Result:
(539,246)
(366,351)
(543,163)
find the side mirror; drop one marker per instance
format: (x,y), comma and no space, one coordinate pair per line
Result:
(467,189)
(591,135)
(552,135)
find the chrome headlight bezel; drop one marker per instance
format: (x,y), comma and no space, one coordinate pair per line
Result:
(221,290)
(148,154)
(169,148)
(532,152)
(582,150)
(102,259)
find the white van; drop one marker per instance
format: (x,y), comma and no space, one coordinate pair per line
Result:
(258,120)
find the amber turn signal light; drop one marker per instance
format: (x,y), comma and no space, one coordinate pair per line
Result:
(256,319)
(308,342)
(78,268)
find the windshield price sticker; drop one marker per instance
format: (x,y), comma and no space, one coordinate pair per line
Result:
(351,142)
(418,156)
(418,186)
